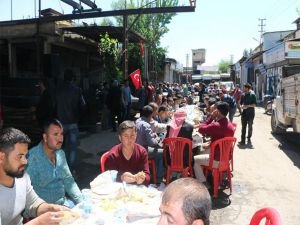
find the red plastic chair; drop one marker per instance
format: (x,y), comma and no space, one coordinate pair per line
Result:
(176,148)
(270,214)
(102,161)
(231,153)
(151,164)
(225,146)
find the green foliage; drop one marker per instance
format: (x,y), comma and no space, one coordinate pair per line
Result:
(224,66)
(134,59)
(110,54)
(151,26)
(106,22)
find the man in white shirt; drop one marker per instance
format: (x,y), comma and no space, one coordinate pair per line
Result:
(16,192)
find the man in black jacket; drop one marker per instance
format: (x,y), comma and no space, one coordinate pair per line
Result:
(69,104)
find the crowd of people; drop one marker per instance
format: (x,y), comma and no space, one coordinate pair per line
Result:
(45,172)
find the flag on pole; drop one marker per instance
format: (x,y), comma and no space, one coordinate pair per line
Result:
(136,79)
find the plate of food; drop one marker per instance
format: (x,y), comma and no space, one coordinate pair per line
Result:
(69,217)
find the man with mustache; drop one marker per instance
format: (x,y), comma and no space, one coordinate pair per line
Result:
(48,169)
(16,192)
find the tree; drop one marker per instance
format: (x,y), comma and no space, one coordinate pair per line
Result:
(110,54)
(106,22)
(245,53)
(224,66)
(151,26)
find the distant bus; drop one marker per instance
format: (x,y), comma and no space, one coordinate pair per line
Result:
(206,78)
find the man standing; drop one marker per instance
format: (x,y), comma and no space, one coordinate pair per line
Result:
(248,103)
(125,100)
(69,103)
(48,169)
(237,94)
(114,103)
(128,158)
(16,192)
(185,201)
(231,102)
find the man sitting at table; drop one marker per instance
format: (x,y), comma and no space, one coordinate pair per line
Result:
(156,127)
(178,127)
(16,193)
(128,158)
(48,169)
(163,115)
(185,201)
(147,138)
(215,130)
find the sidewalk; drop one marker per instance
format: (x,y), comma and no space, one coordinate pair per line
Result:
(91,147)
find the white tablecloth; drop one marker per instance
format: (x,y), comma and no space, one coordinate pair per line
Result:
(111,205)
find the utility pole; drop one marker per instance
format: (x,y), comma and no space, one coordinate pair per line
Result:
(261,25)
(186,68)
(11,10)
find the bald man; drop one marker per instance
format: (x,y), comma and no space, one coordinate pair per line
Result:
(185,201)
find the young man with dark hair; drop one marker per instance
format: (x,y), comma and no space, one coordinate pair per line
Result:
(163,114)
(185,201)
(248,103)
(48,169)
(215,130)
(231,103)
(16,192)
(128,158)
(147,138)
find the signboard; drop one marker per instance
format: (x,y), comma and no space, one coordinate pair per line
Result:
(292,50)
(274,55)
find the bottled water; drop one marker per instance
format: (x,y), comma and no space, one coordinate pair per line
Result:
(86,206)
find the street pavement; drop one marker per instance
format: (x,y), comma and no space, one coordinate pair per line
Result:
(265,174)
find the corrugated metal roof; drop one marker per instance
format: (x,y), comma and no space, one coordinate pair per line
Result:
(93,33)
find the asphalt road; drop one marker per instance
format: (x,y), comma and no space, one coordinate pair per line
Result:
(265,175)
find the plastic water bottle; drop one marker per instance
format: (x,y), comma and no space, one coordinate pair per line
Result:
(87,204)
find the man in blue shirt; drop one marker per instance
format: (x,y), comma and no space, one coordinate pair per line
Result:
(48,169)
(147,138)
(125,100)
(231,102)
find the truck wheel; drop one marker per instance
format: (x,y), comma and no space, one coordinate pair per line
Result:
(274,125)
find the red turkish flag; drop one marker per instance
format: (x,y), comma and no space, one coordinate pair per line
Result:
(136,79)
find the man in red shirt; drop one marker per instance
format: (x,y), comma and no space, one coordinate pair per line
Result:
(128,158)
(215,130)
(237,94)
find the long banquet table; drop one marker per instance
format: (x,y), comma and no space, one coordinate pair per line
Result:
(113,204)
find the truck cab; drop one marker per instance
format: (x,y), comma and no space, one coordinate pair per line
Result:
(286,109)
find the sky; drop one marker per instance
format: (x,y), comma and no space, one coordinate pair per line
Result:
(223,28)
